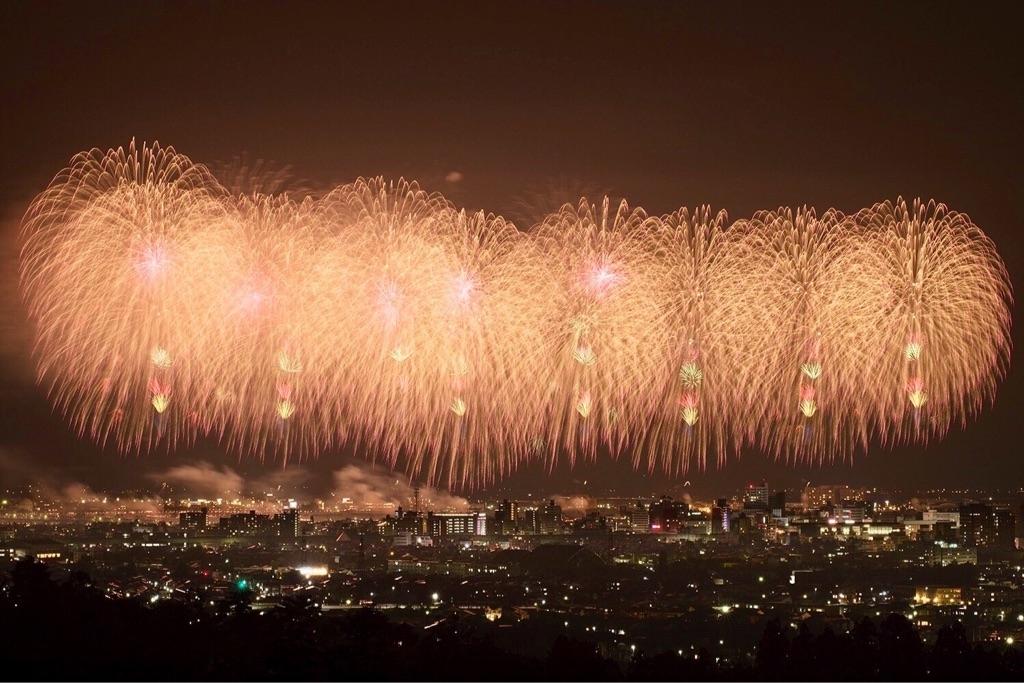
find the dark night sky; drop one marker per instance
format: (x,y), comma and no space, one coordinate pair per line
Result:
(743,106)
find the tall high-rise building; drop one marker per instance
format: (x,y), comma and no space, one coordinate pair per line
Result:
(288,523)
(193,519)
(668,515)
(506,517)
(549,519)
(756,497)
(1003,528)
(529,520)
(640,518)
(721,517)
(986,526)
(410,522)
(975,524)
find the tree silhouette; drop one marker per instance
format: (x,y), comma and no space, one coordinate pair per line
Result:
(901,652)
(772,657)
(950,658)
(575,660)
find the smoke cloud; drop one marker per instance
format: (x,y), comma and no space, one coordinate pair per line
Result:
(574,503)
(355,485)
(369,487)
(206,480)
(82,494)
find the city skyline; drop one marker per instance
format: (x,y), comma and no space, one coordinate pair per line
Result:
(801,122)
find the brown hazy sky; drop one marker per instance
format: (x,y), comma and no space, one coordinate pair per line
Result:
(744,106)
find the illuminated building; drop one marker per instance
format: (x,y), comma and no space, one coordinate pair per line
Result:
(1003,528)
(721,517)
(409,522)
(984,526)
(245,523)
(443,524)
(193,519)
(939,595)
(549,519)
(926,553)
(640,518)
(288,523)
(818,497)
(546,519)
(756,497)
(668,515)
(506,517)
(935,516)
(848,511)
(529,520)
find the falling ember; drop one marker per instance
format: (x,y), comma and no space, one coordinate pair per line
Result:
(584,404)
(288,363)
(690,375)
(160,402)
(812,370)
(161,358)
(158,388)
(401,353)
(460,367)
(458,407)
(912,351)
(915,392)
(689,400)
(808,407)
(584,355)
(580,325)
(285,409)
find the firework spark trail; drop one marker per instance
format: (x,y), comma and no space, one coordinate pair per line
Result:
(799,279)
(458,346)
(104,266)
(692,378)
(948,321)
(599,365)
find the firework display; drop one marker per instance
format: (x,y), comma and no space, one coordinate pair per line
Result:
(458,346)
